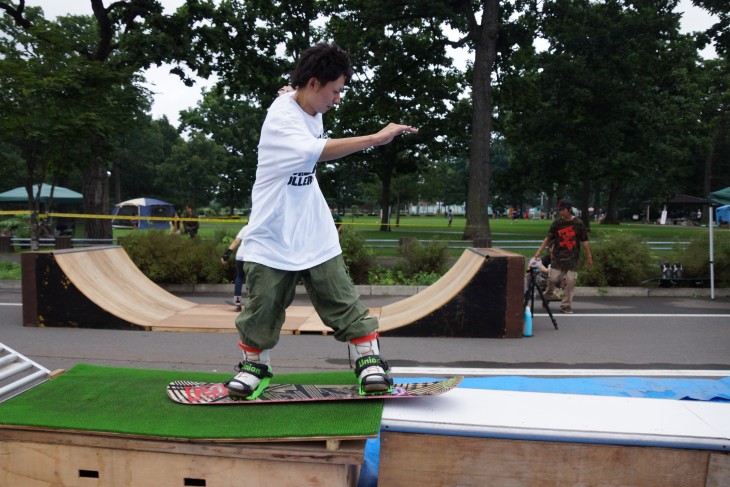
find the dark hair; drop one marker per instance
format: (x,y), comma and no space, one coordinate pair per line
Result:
(565,204)
(323,61)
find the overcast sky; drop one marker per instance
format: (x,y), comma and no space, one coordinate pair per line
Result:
(172,96)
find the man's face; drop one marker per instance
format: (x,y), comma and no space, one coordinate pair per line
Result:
(328,95)
(564,212)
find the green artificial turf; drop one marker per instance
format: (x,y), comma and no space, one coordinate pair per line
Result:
(134,402)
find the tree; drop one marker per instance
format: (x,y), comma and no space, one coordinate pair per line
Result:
(98,57)
(482,37)
(137,156)
(609,101)
(59,109)
(402,74)
(191,173)
(233,123)
(717,96)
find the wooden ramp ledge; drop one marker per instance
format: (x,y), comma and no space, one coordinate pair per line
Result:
(303,319)
(108,278)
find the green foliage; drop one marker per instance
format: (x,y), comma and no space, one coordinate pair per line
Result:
(17,226)
(619,259)
(418,258)
(232,123)
(695,259)
(174,259)
(382,276)
(359,260)
(9,270)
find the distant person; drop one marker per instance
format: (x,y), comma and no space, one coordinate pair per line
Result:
(450,216)
(290,234)
(240,275)
(567,235)
(337,219)
(175,223)
(191,226)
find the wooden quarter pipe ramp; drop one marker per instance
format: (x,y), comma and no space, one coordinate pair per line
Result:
(480,296)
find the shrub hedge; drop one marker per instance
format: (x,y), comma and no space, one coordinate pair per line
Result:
(619,259)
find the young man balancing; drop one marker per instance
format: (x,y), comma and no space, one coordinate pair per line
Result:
(566,236)
(290,232)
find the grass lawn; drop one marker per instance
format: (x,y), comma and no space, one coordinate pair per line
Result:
(436,228)
(502,228)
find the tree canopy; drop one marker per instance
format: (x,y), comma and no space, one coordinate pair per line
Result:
(617,108)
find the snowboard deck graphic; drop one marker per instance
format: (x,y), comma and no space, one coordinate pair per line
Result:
(206,393)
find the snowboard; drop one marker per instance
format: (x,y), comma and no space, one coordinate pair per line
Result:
(207,393)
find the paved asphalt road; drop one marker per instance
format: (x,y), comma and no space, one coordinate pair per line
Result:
(604,333)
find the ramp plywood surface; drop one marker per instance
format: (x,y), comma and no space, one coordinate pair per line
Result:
(109,278)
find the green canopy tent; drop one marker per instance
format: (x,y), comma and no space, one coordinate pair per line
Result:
(60,195)
(722,196)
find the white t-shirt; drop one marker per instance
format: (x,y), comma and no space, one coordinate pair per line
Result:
(291,226)
(241,234)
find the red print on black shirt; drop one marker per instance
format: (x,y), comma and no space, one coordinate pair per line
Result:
(567,238)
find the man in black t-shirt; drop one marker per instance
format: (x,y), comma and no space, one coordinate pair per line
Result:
(566,236)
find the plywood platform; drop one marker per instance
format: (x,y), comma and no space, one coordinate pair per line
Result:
(71,459)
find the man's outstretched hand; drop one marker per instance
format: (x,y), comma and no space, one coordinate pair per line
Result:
(337,148)
(390,131)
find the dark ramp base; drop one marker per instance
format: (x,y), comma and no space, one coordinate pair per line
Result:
(51,299)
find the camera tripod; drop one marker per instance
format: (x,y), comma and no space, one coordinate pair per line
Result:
(530,295)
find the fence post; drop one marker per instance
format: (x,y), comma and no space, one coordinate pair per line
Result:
(6,244)
(64,242)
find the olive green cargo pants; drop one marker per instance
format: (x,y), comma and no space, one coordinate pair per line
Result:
(271,291)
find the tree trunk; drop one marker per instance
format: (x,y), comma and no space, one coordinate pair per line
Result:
(612,205)
(96,199)
(386,177)
(117,182)
(31,159)
(477,200)
(585,197)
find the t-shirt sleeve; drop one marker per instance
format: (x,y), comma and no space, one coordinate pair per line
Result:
(288,143)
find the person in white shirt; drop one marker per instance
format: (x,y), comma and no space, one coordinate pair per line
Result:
(240,275)
(290,235)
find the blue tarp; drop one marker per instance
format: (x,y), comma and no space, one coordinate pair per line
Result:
(722,215)
(655,388)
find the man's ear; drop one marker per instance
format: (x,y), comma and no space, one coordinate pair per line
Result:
(313,83)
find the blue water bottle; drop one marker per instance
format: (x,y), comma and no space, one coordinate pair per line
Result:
(528,322)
